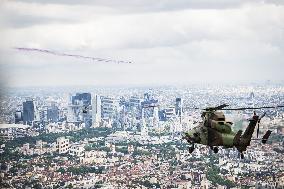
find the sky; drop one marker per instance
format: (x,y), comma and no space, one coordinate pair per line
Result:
(169,42)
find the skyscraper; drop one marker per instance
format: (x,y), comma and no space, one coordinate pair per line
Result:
(134,102)
(78,109)
(146,97)
(109,107)
(28,112)
(82,99)
(178,107)
(96,111)
(52,113)
(170,112)
(144,128)
(18,116)
(72,115)
(156,118)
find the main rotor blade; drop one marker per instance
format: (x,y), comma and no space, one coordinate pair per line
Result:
(262,116)
(254,108)
(245,108)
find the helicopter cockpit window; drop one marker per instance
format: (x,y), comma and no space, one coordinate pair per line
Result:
(221,119)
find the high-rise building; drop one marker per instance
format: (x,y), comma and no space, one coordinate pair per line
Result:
(156,118)
(135,101)
(37,110)
(52,113)
(72,114)
(28,112)
(149,107)
(18,116)
(62,145)
(43,115)
(178,107)
(170,112)
(144,128)
(82,99)
(78,109)
(147,96)
(109,107)
(162,115)
(96,111)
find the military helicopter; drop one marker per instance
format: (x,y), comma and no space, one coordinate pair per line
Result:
(215,130)
(85,109)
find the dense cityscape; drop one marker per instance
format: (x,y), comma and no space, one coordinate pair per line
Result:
(132,138)
(120,94)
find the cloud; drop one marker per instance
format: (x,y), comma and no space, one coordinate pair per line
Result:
(21,14)
(158,5)
(168,41)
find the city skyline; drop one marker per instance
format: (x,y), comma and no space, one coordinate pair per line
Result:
(180,42)
(132,138)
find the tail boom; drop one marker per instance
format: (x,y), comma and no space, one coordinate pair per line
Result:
(242,142)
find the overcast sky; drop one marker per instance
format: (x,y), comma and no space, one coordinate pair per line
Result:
(168,41)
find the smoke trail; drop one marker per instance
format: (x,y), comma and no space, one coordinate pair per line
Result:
(70,55)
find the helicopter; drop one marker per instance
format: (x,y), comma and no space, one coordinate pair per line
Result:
(215,130)
(85,109)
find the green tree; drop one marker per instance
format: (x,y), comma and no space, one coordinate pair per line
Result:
(215,178)
(61,170)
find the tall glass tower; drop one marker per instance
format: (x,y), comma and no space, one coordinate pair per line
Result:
(96,111)
(28,112)
(178,107)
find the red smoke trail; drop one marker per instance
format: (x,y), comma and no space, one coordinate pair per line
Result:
(70,55)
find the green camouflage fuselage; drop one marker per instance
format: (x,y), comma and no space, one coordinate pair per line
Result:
(216,131)
(220,135)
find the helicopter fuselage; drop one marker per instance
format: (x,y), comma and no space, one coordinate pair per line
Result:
(221,135)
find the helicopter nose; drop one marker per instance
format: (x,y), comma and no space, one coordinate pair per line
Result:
(188,138)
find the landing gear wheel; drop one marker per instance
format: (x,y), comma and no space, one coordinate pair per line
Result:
(191,148)
(215,149)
